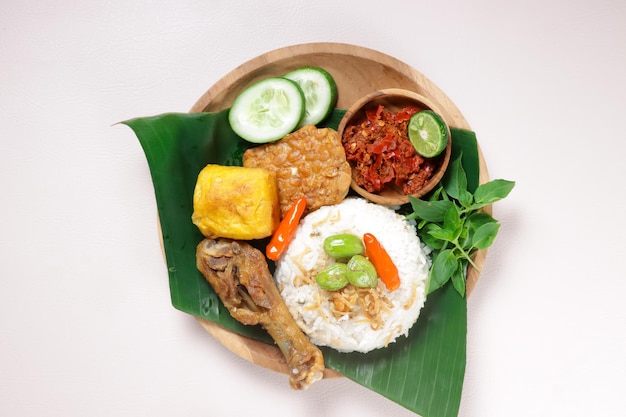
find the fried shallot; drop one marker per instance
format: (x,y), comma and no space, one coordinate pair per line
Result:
(239,274)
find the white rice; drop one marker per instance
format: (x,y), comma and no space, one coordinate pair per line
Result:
(309,304)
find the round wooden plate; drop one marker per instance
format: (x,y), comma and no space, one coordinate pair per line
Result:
(357,72)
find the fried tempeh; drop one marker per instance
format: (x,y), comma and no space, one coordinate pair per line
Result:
(309,162)
(239,274)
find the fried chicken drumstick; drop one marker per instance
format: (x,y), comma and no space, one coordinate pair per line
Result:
(239,274)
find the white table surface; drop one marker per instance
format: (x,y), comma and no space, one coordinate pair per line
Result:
(86,323)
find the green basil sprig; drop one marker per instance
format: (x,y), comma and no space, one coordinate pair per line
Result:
(452,224)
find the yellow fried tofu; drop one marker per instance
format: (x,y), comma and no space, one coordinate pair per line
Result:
(236,202)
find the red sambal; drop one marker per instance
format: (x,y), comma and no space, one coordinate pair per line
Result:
(379,149)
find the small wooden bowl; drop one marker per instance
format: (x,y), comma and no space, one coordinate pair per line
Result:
(394,99)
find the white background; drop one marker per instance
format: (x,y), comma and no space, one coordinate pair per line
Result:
(86,324)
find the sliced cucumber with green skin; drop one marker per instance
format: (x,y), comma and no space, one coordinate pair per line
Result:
(267,110)
(320,92)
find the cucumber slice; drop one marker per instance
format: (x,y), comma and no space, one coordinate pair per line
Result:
(267,110)
(320,92)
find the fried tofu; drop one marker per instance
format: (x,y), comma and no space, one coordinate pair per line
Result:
(236,202)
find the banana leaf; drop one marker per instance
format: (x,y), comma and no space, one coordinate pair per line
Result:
(423,372)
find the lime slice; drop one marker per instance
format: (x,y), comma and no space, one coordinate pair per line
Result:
(428,133)
(320,92)
(268,110)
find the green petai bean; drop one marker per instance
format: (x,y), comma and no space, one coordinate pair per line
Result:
(334,277)
(343,245)
(361,272)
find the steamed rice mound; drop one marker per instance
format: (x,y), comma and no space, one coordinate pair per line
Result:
(353,319)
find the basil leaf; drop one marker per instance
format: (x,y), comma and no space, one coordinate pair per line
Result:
(485,235)
(471,224)
(428,239)
(455,179)
(452,222)
(445,263)
(458,279)
(477,219)
(438,194)
(466,199)
(442,233)
(432,211)
(492,191)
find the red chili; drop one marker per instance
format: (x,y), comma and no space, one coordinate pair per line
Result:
(285,230)
(405,113)
(387,270)
(374,115)
(386,144)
